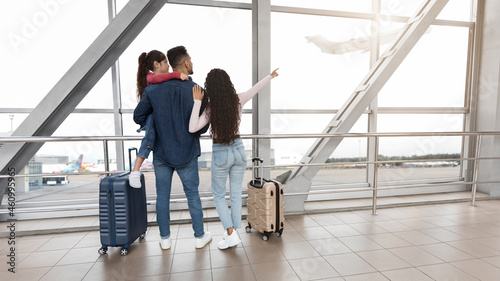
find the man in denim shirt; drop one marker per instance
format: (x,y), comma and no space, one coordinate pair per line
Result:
(175,149)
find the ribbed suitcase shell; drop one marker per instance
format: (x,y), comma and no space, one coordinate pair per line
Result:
(122,211)
(265,206)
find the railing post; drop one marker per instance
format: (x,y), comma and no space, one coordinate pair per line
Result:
(106,156)
(476,168)
(375,178)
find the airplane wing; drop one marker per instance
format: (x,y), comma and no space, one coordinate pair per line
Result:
(353,45)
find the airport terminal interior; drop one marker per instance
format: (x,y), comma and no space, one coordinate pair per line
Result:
(383,127)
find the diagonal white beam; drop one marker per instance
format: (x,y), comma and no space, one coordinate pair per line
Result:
(301,178)
(78,81)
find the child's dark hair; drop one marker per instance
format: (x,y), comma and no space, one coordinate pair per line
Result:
(177,55)
(146,63)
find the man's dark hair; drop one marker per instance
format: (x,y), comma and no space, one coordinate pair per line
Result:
(176,56)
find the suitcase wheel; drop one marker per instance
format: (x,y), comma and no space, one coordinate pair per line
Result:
(248,228)
(279,233)
(102,250)
(142,236)
(123,251)
(266,235)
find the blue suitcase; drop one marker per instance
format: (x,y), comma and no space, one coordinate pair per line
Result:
(122,211)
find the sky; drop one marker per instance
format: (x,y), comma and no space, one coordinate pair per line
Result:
(41,39)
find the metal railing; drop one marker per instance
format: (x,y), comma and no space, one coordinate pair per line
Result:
(476,137)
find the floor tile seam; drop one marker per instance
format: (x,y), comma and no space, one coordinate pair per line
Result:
(127,270)
(376,271)
(442,228)
(367,251)
(497,266)
(52,267)
(458,232)
(466,252)
(54,250)
(441,260)
(445,243)
(382,247)
(248,258)
(57,264)
(480,240)
(448,263)
(315,257)
(416,268)
(47,267)
(288,263)
(230,266)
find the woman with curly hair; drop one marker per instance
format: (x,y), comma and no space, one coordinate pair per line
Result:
(223,112)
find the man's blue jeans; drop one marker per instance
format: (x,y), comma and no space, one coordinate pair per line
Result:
(190,181)
(228,160)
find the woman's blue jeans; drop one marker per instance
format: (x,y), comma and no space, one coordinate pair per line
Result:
(228,160)
(190,182)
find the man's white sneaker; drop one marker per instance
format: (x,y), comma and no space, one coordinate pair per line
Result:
(134,179)
(165,244)
(229,240)
(203,241)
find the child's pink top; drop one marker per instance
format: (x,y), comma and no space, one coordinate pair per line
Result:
(152,78)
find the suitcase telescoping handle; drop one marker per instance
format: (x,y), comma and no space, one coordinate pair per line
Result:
(130,157)
(258,172)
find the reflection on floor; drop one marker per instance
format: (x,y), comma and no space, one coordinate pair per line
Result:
(451,241)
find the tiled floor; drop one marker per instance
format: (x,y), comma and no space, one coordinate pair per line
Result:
(431,242)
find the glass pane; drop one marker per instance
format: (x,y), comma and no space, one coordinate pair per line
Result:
(229,28)
(291,151)
(309,123)
(101,95)
(435,154)
(319,65)
(84,125)
(10,122)
(414,148)
(433,74)
(454,10)
(47,37)
(459,10)
(340,5)
(420,123)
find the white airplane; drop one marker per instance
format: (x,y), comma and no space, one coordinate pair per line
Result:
(353,45)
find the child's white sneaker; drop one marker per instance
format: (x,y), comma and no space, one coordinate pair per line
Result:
(134,179)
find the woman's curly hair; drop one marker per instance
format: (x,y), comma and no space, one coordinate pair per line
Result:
(223,106)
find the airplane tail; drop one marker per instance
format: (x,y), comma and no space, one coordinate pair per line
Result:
(79,161)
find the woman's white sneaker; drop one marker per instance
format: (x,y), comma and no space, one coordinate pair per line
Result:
(229,241)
